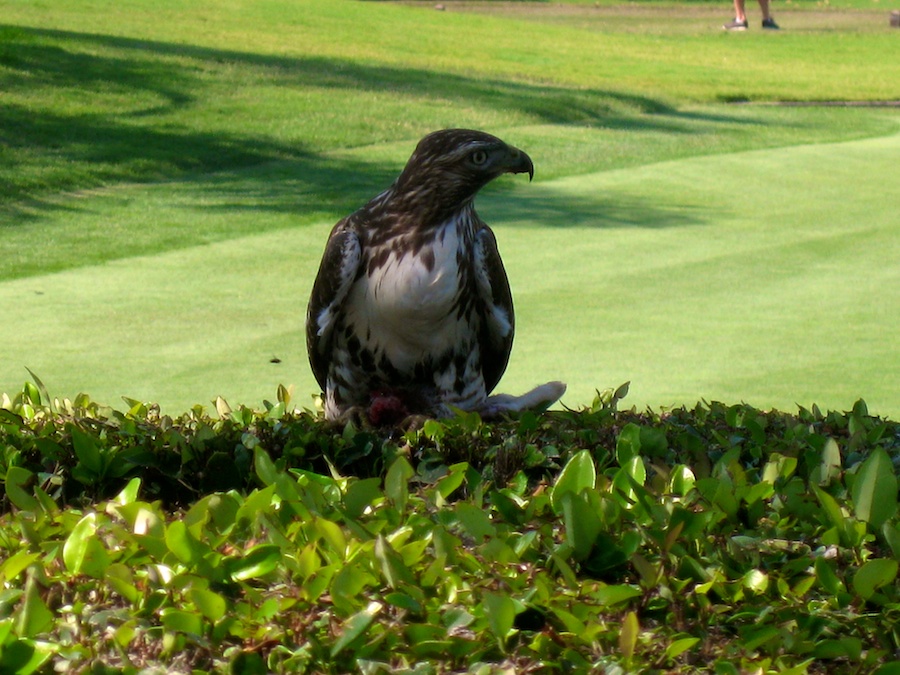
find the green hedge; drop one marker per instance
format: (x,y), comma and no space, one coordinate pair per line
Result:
(719,538)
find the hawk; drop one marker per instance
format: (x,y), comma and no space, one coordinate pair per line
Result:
(411,311)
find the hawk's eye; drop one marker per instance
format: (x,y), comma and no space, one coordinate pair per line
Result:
(479,157)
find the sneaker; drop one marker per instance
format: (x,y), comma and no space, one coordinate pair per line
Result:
(770,24)
(736,25)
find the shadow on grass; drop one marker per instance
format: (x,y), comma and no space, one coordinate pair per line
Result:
(546,207)
(281,191)
(143,129)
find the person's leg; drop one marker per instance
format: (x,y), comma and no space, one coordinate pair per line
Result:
(767,22)
(740,17)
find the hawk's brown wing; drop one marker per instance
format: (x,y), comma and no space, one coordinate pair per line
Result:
(499,320)
(337,271)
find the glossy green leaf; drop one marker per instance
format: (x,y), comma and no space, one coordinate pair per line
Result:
(264,466)
(681,480)
(125,633)
(873,575)
(756,636)
(582,523)
(875,489)
(892,536)
(332,536)
(631,474)
(720,493)
(356,626)
(476,522)
(833,513)
(778,467)
(76,546)
(610,596)
(308,561)
(827,577)
(763,490)
(129,493)
(347,584)
(121,580)
(17,484)
(47,504)
(628,444)
(87,450)
(223,509)
(456,476)
(360,495)
(578,474)
(404,601)
(654,443)
(500,611)
(181,543)
(181,621)
(756,580)
(392,567)
(396,483)
(211,604)
(434,430)
(830,466)
(96,559)
(32,392)
(258,501)
(23,657)
(628,635)
(677,647)
(35,617)
(259,561)
(846,647)
(569,621)
(17,563)
(215,513)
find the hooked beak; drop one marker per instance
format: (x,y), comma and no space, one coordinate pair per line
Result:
(519,162)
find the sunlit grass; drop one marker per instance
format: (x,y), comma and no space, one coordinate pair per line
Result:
(662,274)
(169,174)
(95,94)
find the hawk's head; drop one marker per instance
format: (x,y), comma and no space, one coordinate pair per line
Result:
(450,166)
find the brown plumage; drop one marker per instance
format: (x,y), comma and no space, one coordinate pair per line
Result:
(411,303)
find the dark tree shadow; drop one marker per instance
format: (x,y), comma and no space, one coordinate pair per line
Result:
(129,145)
(546,207)
(354,183)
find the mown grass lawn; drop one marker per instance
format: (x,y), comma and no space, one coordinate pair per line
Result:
(168,174)
(171,174)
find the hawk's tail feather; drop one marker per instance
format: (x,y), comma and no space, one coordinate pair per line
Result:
(539,398)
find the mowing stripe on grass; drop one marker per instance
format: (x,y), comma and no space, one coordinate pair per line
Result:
(768,276)
(764,276)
